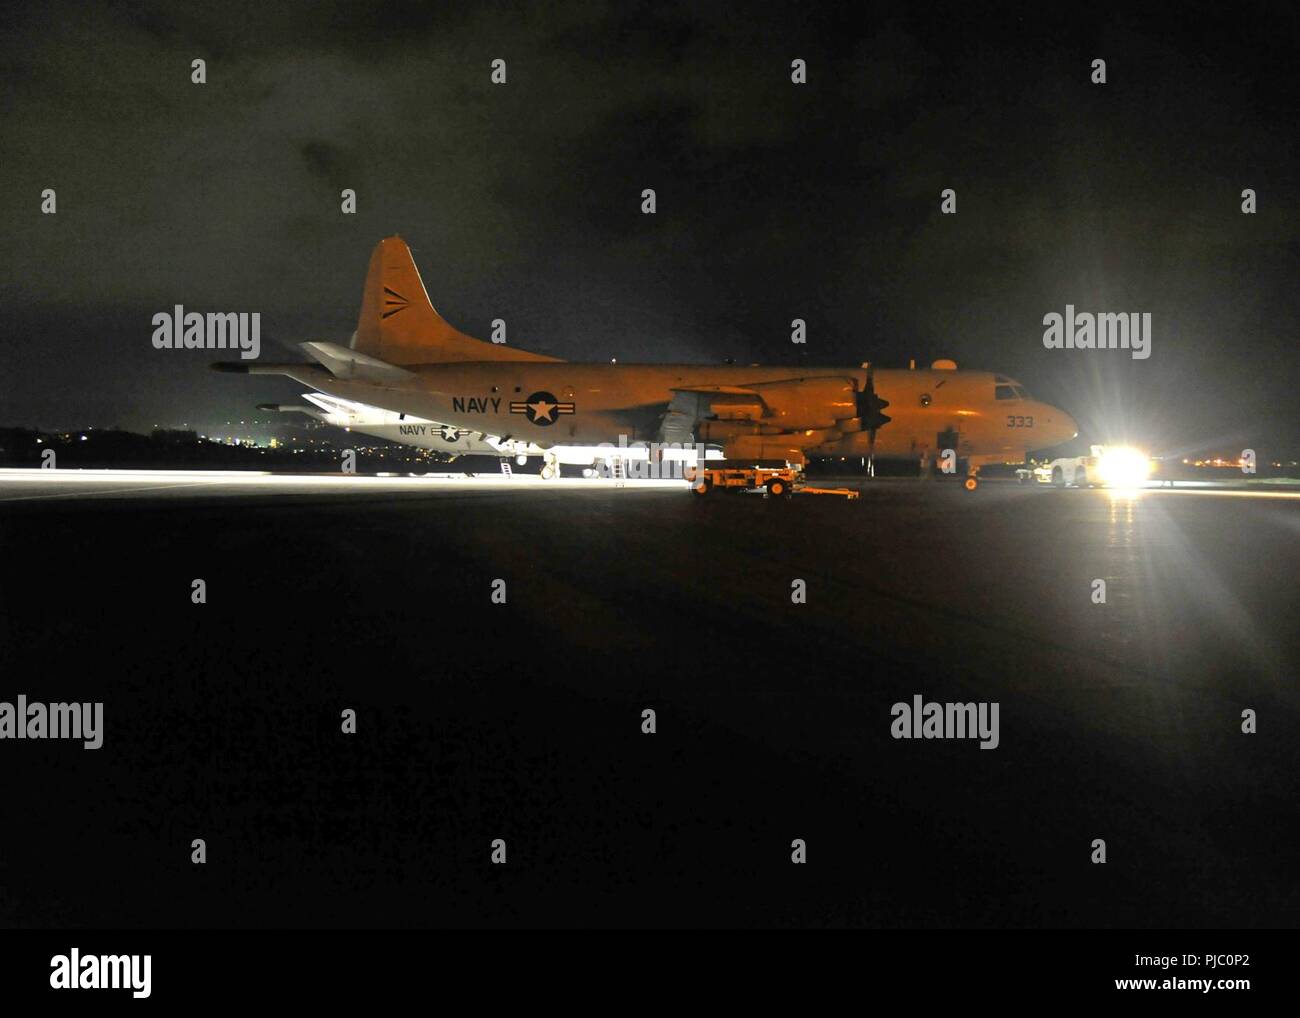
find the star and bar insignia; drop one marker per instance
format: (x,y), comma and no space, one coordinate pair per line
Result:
(541,408)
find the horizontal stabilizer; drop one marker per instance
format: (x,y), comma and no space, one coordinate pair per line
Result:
(342,362)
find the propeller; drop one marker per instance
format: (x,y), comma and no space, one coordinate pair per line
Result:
(870,409)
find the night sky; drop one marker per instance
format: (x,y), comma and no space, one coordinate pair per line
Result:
(776,201)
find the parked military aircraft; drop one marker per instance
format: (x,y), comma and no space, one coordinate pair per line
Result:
(405,359)
(393,426)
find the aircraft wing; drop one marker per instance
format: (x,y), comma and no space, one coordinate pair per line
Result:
(714,402)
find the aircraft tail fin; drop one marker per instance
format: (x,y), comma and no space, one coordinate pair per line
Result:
(398,324)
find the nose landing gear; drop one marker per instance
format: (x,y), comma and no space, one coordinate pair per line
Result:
(973,464)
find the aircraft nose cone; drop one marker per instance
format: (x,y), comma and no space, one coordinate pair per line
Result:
(1064,427)
(1058,427)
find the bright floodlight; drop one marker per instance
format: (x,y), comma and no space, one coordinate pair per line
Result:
(1124,467)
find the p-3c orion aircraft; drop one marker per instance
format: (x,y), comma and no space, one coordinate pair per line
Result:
(404,358)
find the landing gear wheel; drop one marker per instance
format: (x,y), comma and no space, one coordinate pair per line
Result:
(547,472)
(777,488)
(1081,478)
(971,483)
(1058,477)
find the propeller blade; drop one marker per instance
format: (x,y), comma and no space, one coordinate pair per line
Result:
(870,407)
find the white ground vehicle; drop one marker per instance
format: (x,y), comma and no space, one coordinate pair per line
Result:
(1118,467)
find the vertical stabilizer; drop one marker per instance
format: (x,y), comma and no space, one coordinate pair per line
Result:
(399,325)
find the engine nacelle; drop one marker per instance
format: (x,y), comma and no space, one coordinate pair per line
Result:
(753,448)
(798,404)
(721,432)
(790,446)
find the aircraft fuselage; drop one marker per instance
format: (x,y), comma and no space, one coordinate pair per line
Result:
(559,403)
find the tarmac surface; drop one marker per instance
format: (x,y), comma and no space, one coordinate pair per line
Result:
(522,721)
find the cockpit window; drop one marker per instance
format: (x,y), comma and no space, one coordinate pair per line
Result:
(1020,392)
(1004,392)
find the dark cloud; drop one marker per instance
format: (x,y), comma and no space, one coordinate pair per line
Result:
(329,162)
(775,201)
